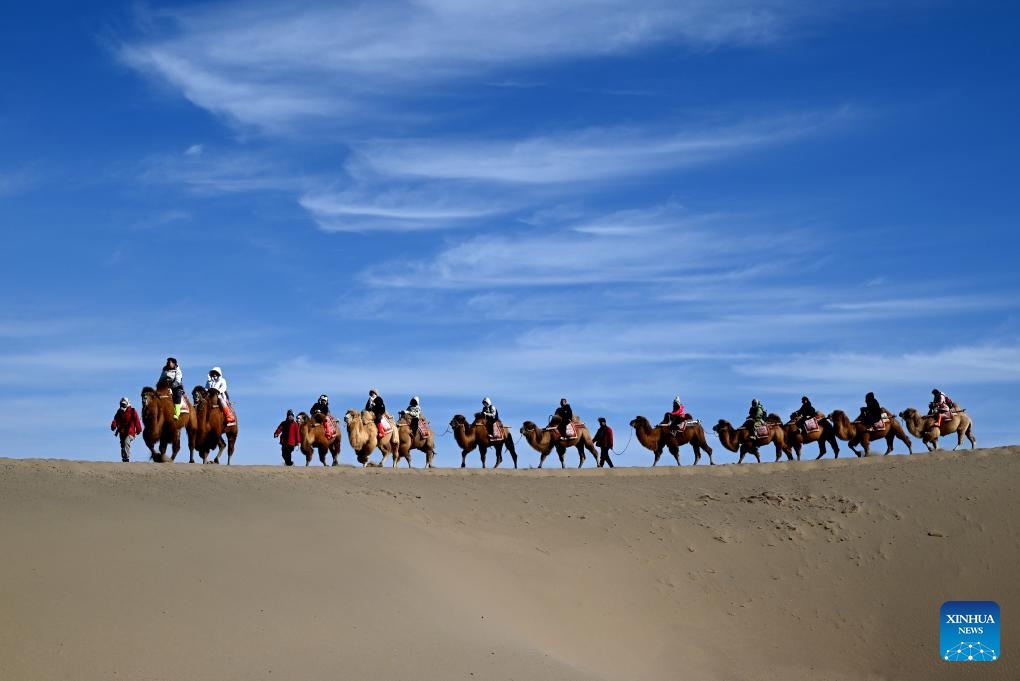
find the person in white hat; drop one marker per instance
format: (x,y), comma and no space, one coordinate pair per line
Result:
(216,382)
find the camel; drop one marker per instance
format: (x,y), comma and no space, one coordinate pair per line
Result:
(211,426)
(409,441)
(469,436)
(545,440)
(661,436)
(740,439)
(363,434)
(925,428)
(824,434)
(313,438)
(160,426)
(857,433)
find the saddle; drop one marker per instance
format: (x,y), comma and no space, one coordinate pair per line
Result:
(329,427)
(810,425)
(386,425)
(167,394)
(683,425)
(498,433)
(880,425)
(761,431)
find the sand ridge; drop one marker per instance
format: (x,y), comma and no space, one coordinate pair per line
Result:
(802,570)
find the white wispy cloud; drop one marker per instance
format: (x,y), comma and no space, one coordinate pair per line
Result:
(398,209)
(595,154)
(959,365)
(646,245)
(272,65)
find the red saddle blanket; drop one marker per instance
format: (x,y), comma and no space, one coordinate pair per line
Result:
(385,425)
(761,431)
(810,425)
(881,425)
(329,427)
(497,432)
(423,427)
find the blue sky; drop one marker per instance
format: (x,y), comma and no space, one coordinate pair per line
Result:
(605,200)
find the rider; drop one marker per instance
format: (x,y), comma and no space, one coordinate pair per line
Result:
(566,415)
(755,418)
(872,411)
(806,411)
(322,407)
(376,405)
(413,413)
(677,414)
(491,415)
(175,378)
(216,382)
(941,405)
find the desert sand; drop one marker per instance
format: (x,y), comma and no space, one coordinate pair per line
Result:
(803,570)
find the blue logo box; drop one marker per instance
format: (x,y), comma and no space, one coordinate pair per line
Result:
(969,631)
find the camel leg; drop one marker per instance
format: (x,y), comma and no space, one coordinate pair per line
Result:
(541,458)
(655,461)
(708,450)
(483,451)
(231,441)
(742,455)
(463,458)
(562,454)
(906,441)
(499,454)
(676,454)
(970,436)
(697,452)
(580,455)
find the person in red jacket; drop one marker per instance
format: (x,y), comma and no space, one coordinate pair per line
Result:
(289,433)
(604,441)
(126,425)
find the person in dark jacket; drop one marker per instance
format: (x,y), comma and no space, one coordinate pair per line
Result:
(321,406)
(566,415)
(126,425)
(806,411)
(289,433)
(676,414)
(376,405)
(872,411)
(328,422)
(604,441)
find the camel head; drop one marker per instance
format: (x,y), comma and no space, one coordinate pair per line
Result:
(458,421)
(640,422)
(198,393)
(528,427)
(350,416)
(301,418)
(909,414)
(722,426)
(148,394)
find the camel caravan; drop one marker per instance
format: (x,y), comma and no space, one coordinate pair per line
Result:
(210,423)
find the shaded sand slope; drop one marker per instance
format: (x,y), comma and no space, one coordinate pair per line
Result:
(810,570)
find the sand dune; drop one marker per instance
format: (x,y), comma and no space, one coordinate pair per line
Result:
(809,570)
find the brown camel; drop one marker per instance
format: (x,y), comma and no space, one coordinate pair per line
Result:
(313,438)
(160,426)
(471,435)
(824,434)
(742,440)
(859,433)
(548,438)
(211,426)
(927,428)
(662,437)
(363,434)
(409,441)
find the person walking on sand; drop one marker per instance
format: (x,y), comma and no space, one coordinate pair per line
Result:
(289,433)
(604,441)
(126,425)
